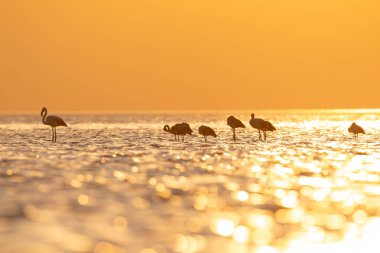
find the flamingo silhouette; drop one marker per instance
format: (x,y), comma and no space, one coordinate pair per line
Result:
(53,121)
(206,131)
(356,130)
(179,130)
(261,125)
(234,123)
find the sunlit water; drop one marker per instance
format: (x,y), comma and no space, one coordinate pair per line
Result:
(118,183)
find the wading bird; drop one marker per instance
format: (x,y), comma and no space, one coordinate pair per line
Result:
(53,121)
(261,125)
(179,130)
(234,123)
(356,130)
(206,131)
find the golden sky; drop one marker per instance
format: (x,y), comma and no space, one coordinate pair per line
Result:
(189,54)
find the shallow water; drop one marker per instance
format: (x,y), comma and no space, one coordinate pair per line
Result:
(118,183)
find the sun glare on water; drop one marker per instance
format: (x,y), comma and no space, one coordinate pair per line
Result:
(310,187)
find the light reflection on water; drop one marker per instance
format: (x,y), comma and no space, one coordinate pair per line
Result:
(118,183)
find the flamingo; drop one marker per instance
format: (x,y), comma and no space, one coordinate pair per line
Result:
(206,131)
(234,123)
(261,125)
(53,121)
(179,130)
(356,130)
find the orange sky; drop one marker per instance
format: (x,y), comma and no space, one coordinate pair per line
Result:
(189,54)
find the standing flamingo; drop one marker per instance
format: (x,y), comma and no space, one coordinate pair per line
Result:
(179,130)
(52,121)
(206,131)
(356,130)
(234,123)
(261,125)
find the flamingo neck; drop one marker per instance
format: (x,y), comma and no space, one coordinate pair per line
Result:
(44,113)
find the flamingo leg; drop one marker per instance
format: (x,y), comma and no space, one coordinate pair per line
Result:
(183,138)
(234,134)
(265,135)
(259,134)
(205,138)
(55,134)
(52,134)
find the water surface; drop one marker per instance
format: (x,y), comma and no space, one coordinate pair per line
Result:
(118,183)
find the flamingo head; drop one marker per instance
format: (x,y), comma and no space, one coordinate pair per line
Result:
(167,128)
(43,112)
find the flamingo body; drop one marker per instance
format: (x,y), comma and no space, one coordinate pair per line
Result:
(356,130)
(179,130)
(53,121)
(234,123)
(206,131)
(261,125)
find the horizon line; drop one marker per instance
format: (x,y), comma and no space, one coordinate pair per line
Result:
(186,110)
